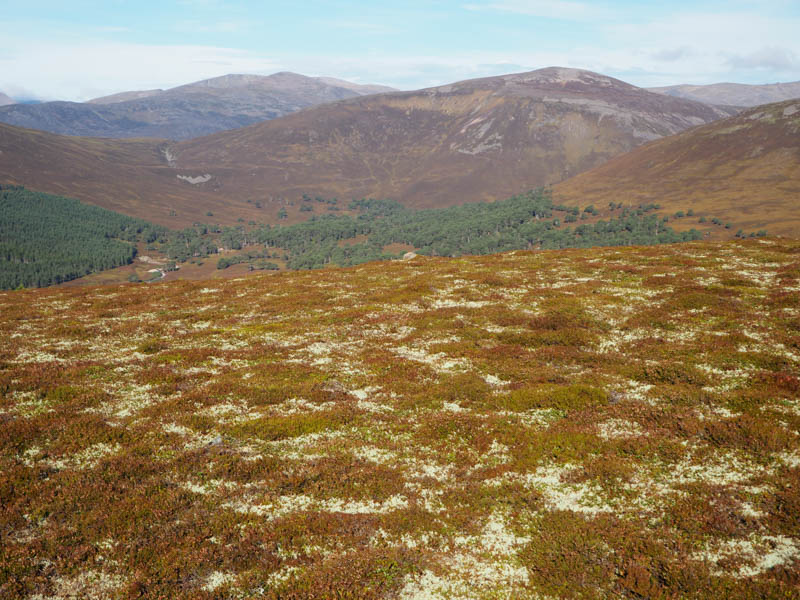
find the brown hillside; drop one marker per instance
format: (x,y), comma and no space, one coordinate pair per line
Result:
(744,170)
(129,176)
(475,140)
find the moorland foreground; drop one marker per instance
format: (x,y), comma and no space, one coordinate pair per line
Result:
(611,422)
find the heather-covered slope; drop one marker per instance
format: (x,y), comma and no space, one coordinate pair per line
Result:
(613,422)
(483,139)
(128,176)
(480,139)
(745,169)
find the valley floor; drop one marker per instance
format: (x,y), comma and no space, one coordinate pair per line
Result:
(612,422)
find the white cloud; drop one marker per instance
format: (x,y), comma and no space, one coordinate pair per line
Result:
(708,31)
(112,29)
(555,9)
(202,3)
(361,26)
(771,57)
(685,47)
(648,46)
(18,92)
(70,71)
(197,26)
(673,54)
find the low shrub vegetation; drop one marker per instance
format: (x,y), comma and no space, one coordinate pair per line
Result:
(620,422)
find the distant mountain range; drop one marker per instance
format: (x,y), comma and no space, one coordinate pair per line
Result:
(186,111)
(475,140)
(745,170)
(125,97)
(481,139)
(733,94)
(596,138)
(234,101)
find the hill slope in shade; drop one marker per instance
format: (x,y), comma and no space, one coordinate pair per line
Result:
(745,169)
(425,429)
(733,94)
(187,111)
(5,100)
(475,140)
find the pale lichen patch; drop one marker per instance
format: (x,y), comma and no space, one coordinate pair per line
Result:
(87,458)
(217,579)
(439,361)
(549,481)
(619,429)
(430,586)
(89,584)
(285,505)
(474,564)
(758,553)
(494,381)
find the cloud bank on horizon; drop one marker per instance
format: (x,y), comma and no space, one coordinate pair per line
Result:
(89,48)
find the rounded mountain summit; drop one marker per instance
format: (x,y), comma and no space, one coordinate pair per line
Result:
(479,139)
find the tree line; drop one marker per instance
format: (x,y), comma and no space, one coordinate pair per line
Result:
(47,239)
(524,221)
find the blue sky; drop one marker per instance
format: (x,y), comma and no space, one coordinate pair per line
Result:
(84,48)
